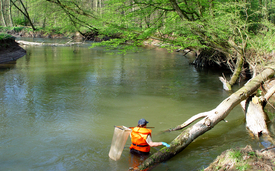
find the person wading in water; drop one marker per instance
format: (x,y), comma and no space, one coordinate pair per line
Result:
(142,139)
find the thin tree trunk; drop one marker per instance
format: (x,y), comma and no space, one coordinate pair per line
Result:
(212,118)
(237,70)
(10,14)
(2,13)
(175,5)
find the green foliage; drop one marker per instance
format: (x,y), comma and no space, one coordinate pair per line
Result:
(259,92)
(121,45)
(202,169)
(16,29)
(235,154)
(252,153)
(238,157)
(19,21)
(264,40)
(243,167)
(4,36)
(222,25)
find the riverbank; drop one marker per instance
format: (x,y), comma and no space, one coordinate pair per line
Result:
(10,50)
(244,159)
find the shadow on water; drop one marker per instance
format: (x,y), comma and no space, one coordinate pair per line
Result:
(7,66)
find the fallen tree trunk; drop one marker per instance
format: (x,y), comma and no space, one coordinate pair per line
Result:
(47,44)
(211,118)
(255,116)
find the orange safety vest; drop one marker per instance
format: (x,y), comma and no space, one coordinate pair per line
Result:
(138,136)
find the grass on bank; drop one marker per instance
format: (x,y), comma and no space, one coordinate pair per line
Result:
(244,159)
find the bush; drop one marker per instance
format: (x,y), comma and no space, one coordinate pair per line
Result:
(4,36)
(19,21)
(18,29)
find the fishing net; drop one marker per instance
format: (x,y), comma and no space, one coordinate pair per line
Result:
(120,137)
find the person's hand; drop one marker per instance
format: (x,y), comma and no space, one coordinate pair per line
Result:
(165,144)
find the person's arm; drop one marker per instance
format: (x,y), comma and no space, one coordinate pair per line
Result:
(151,143)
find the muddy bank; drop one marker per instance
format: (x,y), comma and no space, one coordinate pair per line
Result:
(244,159)
(10,51)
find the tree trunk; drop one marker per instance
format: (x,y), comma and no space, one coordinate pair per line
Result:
(175,5)
(255,116)
(210,120)
(237,70)
(47,44)
(10,15)
(2,13)
(227,85)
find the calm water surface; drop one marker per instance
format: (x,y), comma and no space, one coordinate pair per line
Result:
(59,106)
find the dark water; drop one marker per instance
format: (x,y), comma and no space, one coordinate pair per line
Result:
(59,106)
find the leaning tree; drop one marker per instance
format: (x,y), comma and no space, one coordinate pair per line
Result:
(211,118)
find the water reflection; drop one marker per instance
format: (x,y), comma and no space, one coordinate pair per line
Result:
(59,106)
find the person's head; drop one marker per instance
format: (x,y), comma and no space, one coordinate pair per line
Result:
(142,122)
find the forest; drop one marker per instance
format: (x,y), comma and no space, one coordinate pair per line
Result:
(238,35)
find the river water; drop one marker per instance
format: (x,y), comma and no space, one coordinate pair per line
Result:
(59,106)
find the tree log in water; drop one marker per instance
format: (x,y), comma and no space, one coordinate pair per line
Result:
(211,118)
(47,44)
(255,116)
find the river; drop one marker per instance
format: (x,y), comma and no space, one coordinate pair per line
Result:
(59,106)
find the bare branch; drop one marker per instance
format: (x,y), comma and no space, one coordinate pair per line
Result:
(189,121)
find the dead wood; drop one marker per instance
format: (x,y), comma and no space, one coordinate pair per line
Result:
(255,116)
(268,148)
(269,93)
(47,44)
(225,83)
(188,122)
(212,118)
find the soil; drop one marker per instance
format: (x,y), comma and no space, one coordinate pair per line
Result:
(10,51)
(244,159)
